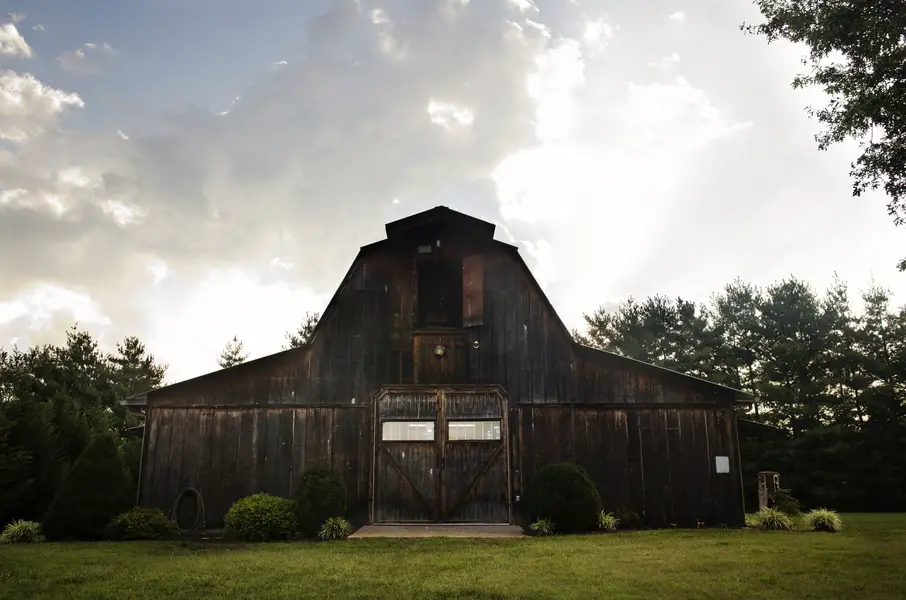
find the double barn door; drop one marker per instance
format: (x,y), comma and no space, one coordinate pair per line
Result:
(440,455)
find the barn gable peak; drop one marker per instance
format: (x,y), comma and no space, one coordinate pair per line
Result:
(439,218)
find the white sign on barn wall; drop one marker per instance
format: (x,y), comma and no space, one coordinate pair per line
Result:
(722,464)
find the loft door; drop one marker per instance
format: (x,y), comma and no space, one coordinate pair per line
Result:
(441,456)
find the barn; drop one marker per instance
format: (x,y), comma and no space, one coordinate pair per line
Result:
(438,381)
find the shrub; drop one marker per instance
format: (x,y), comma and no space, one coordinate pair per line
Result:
(823,519)
(607,521)
(335,528)
(320,496)
(628,518)
(772,519)
(752,520)
(565,494)
(784,501)
(542,527)
(21,532)
(141,524)
(94,491)
(262,518)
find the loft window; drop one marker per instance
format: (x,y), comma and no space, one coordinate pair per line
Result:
(440,293)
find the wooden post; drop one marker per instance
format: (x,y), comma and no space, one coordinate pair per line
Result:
(768,483)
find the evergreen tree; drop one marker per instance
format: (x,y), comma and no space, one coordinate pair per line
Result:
(303,334)
(232,354)
(736,315)
(94,491)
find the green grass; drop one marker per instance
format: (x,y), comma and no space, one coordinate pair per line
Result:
(863,561)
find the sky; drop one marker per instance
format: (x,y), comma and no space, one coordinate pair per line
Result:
(190,171)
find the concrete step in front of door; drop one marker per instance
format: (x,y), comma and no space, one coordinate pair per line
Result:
(438,530)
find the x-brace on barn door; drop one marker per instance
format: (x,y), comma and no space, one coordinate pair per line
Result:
(441,455)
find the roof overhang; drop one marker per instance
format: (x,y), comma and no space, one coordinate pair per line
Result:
(739,397)
(136,402)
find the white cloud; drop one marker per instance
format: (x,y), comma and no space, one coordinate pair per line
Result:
(597,35)
(281,264)
(122,135)
(39,306)
(667,62)
(159,270)
(523,5)
(678,16)
(38,27)
(560,71)
(449,115)
(11,42)
(221,303)
(86,59)
(28,107)
(16,17)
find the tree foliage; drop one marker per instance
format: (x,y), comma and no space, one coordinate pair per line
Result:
(857,55)
(94,491)
(303,334)
(832,380)
(232,354)
(53,399)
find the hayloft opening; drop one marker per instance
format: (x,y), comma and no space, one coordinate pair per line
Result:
(440,293)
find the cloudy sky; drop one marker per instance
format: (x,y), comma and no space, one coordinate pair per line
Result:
(187,171)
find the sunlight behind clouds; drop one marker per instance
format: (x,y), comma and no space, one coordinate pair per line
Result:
(616,167)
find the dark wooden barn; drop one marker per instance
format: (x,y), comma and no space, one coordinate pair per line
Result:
(438,381)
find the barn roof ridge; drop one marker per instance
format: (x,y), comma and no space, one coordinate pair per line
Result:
(439,215)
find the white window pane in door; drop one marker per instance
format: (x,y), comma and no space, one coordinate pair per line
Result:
(473,430)
(407,431)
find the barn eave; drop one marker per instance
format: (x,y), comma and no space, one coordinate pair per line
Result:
(141,400)
(739,396)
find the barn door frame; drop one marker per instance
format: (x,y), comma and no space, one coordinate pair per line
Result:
(441,440)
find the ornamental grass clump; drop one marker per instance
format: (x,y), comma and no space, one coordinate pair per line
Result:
(542,527)
(823,519)
(21,532)
(607,521)
(335,528)
(771,519)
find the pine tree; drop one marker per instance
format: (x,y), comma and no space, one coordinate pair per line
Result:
(94,491)
(232,354)
(303,334)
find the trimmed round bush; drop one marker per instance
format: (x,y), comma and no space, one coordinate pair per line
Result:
(95,490)
(823,519)
(21,532)
(320,496)
(772,519)
(565,494)
(141,524)
(262,518)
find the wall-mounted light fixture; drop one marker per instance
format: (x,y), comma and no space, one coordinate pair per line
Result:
(475,344)
(439,350)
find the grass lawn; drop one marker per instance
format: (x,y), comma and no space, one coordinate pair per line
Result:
(867,560)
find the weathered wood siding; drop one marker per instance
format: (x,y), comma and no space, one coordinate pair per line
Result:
(657,461)
(228,453)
